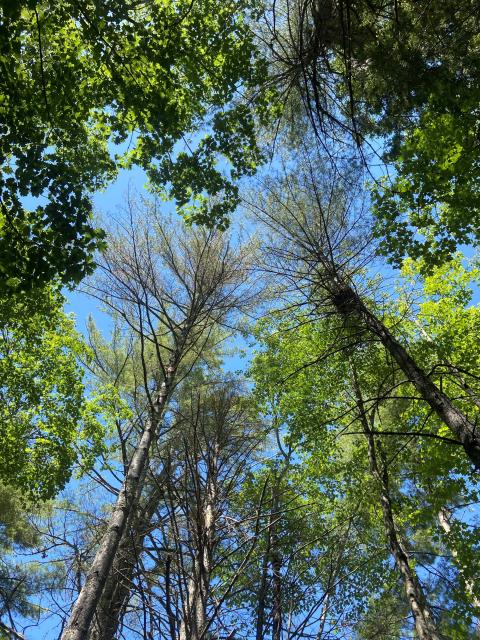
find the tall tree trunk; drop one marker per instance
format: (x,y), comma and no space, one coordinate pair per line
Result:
(423,619)
(119,582)
(277,618)
(276,560)
(444,517)
(271,557)
(117,587)
(78,626)
(172,621)
(347,301)
(262,593)
(194,622)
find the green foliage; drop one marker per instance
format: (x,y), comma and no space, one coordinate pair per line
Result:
(384,617)
(405,77)
(307,380)
(412,77)
(47,425)
(405,57)
(432,205)
(87,88)
(20,582)
(305,364)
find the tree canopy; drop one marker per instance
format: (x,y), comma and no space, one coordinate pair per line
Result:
(268,426)
(88,88)
(47,422)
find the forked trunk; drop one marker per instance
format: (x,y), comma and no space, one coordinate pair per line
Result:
(78,626)
(116,590)
(119,583)
(194,619)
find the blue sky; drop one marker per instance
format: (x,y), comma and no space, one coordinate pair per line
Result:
(106,203)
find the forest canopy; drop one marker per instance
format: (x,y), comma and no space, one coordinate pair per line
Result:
(261,419)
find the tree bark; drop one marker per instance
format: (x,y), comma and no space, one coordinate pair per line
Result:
(262,593)
(172,621)
(444,517)
(424,623)
(194,622)
(119,582)
(276,559)
(347,301)
(78,626)
(115,592)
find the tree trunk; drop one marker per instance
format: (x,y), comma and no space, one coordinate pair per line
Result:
(331,586)
(276,559)
(262,593)
(172,621)
(78,626)
(116,590)
(119,582)
(347,301)
(444,517)
(194,623)
(423,619)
